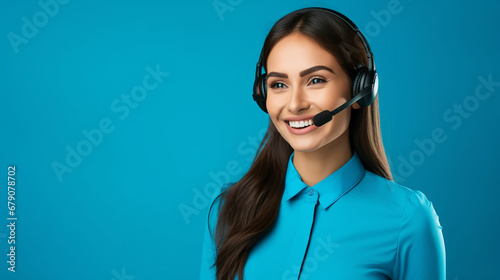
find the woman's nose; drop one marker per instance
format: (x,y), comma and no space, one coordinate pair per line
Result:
(298,100)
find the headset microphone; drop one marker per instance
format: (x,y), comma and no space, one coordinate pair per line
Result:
(326,116)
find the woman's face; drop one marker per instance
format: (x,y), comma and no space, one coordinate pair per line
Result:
(303,80)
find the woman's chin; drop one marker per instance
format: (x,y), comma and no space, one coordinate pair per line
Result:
(303,146)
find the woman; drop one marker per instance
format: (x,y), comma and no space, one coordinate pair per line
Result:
(319,202)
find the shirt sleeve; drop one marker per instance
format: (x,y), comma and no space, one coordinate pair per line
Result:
(207,270)
(421,250)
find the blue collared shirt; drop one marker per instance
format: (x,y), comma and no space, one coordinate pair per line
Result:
(353,224)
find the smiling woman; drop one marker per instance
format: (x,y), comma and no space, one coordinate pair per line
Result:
(319,201)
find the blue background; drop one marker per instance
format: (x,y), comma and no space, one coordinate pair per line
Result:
(119,213)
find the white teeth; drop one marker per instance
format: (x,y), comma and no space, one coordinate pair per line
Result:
(299,124)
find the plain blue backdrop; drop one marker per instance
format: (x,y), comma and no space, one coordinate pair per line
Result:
(121,117)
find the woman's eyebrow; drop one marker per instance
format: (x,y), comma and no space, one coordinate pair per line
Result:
(277,74)
(314,69)
(302,73)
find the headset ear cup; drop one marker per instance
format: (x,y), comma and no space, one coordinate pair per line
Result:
(263,90)
(356,83)
(364,79)
(263,85)
(370,80)
(260,92)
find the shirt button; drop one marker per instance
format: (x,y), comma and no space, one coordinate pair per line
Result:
(311,192)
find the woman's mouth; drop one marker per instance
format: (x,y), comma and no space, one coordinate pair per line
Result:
(300,127)
(300,124)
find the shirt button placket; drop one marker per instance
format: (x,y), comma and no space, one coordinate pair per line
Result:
(303,234)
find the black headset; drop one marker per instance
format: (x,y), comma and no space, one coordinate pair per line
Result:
(365,85)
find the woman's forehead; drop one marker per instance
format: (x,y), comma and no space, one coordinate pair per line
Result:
(296,52)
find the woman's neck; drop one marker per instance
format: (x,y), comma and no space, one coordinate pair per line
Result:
(315,166)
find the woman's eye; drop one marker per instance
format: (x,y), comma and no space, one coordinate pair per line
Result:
(316,80)
(277,85)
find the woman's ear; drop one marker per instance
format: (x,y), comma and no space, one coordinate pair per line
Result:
(356,106)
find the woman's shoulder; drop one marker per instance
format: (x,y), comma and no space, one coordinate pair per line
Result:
(409,200)
(418,234)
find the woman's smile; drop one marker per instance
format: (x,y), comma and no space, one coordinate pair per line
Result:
(300,125)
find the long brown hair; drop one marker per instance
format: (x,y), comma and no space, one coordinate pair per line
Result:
(248,209)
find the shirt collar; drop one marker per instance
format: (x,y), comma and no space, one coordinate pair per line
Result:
(330,189)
